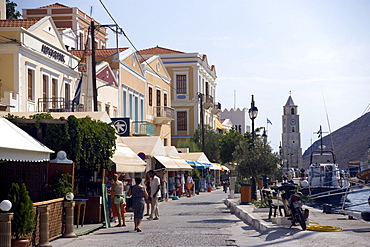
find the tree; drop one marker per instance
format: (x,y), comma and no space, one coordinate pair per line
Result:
(255,159)
(228,143)
(11,12)
(23,222)
(211,140)
(193,147)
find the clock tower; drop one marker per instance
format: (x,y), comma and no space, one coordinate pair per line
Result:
(291,151)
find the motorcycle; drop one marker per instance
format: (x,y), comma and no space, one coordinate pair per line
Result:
(225,184)
(293,205)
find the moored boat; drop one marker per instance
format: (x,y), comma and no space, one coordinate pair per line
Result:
(326,183)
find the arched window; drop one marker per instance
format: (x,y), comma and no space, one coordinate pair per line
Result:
(292,111)
(292,129)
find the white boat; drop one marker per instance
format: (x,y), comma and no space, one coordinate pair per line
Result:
(326,183)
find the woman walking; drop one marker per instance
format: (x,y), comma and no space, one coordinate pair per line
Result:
(119,200)
(139,195)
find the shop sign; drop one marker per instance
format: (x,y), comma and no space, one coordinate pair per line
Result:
(53,53)
(142,155)
(122,126)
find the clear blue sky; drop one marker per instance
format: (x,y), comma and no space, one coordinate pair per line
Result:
(318,50)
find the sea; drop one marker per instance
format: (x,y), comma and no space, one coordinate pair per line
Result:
(358,200)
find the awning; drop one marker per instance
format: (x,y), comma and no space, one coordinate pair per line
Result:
(215,167)
(184,166)
(196,164)
(167,162)
(219,124)
(17,145)
(126,160)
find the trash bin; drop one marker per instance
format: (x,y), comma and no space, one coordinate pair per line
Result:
(245,193)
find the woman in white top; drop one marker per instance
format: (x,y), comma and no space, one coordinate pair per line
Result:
(119,200)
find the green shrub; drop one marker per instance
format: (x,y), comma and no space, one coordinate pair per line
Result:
(23,222)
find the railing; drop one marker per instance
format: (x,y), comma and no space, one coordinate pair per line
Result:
(208,101)
(164,111)
(58,104)
(142,128)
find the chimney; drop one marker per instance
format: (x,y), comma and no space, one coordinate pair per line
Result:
(2,10)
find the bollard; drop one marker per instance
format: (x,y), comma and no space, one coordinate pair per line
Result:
(5,229)
(44,226)
(69,205)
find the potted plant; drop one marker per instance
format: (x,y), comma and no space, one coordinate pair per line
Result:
(23,222)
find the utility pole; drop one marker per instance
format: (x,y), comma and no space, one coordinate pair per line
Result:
(93,66)
(200,95)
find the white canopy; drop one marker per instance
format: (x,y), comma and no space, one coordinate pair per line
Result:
(127,160)
(17,145)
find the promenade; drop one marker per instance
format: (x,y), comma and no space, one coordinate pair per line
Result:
(354,231)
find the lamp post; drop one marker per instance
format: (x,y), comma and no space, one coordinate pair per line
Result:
(253,111)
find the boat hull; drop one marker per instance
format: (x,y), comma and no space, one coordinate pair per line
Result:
(324,195)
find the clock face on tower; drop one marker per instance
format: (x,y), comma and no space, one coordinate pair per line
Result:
(292,122)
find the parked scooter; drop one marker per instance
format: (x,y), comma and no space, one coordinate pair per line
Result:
(293,205)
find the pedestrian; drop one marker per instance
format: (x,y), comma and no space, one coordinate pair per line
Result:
(148,200)
(155,193)
(139,195)
(189,185)
(119,200)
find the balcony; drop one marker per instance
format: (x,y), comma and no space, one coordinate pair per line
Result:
(216,109)
(142,128)
(56,104)
(163,114)
(207,101)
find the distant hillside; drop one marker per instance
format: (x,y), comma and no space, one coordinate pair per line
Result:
(351,142)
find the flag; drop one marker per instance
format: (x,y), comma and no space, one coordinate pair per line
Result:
(76,99)
(268,121)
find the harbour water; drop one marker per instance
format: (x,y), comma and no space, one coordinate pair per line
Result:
(357,200)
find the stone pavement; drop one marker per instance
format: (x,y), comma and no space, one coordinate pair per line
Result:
(259,218)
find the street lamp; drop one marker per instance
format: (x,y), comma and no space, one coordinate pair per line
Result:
(253,111)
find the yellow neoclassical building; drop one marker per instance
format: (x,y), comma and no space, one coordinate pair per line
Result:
(37,73)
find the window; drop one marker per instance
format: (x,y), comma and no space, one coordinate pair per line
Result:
(182,121)
(150,96)
(54,86)
(44,86)
(124,105)
(30,84)
(158,103)
(165,142)
(44,91)
(67,92)
(107,109)
(292,111)
(165,99)
(158,97)
(181,84)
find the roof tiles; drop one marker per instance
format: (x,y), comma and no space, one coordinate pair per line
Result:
(98,52)
(158,50)
(25,23)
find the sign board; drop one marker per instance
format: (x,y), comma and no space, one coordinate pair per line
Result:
(122,126)
(364,175)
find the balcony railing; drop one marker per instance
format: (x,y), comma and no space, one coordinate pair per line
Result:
(58,104)
(208,101)
(163,114)
(142,128)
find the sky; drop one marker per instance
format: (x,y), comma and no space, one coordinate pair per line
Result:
(316,51)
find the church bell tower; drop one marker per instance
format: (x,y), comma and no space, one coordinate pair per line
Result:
(291,151)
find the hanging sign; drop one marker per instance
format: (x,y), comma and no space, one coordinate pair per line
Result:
(122,126)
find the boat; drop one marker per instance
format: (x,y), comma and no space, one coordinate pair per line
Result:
(325,183)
